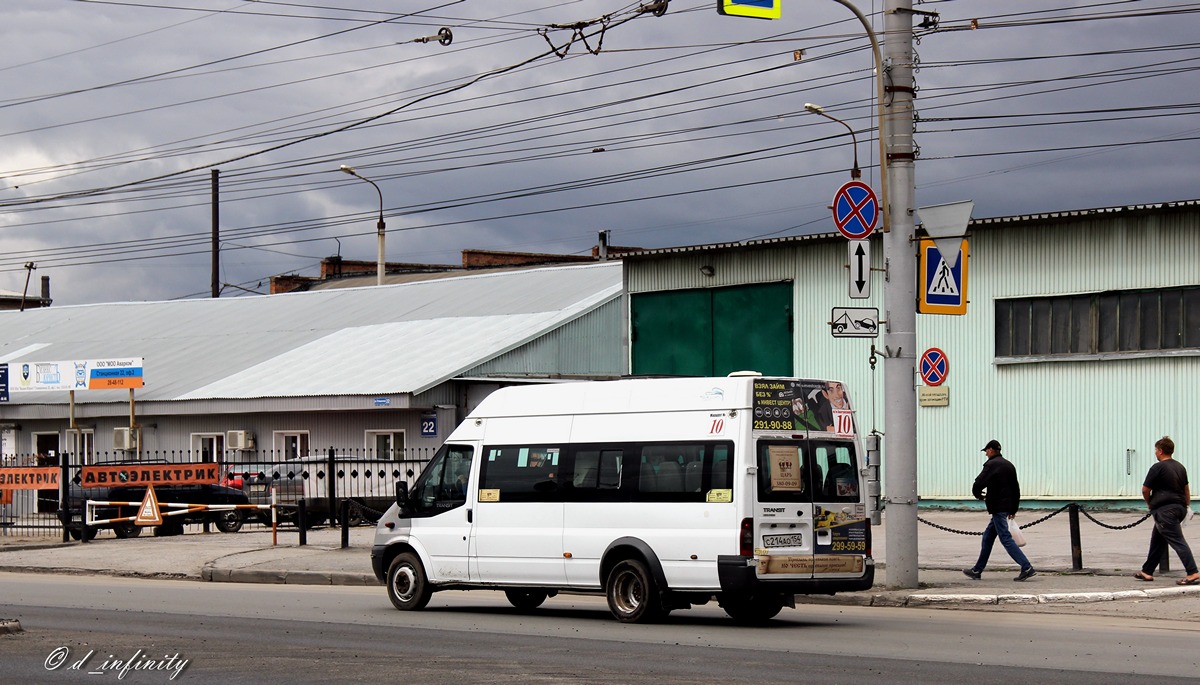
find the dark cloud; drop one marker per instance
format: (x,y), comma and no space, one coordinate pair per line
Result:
(479,144)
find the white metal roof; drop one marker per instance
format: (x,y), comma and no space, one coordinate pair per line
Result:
(357,341)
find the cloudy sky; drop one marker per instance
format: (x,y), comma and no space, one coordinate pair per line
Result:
(541,123)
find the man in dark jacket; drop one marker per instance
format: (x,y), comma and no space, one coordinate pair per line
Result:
(998,480)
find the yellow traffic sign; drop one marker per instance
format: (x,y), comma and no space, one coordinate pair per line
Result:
(757,9)
(942,286)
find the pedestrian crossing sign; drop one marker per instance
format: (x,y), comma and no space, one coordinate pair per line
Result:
(943,286)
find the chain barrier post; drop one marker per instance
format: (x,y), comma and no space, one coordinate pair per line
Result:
(1076,545)
(302,521)
(64,505)
(345,521)
(331,484)
(1164,563)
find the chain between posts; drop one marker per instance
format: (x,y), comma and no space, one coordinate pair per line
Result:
(1027,526)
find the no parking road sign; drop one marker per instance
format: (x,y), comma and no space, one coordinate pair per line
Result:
(935,366)
(855,210)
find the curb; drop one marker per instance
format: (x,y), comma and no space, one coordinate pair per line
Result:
(945,599)
(214,574)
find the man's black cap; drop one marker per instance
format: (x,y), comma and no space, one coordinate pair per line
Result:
(992,445)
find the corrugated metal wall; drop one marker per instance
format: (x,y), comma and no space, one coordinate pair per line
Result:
(593,344)
(1066,425)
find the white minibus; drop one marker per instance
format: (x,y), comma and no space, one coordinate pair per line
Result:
(659,493)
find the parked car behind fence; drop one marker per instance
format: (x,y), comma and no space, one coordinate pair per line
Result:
(369,484)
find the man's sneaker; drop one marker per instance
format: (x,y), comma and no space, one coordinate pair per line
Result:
(1026,573)
(973,574)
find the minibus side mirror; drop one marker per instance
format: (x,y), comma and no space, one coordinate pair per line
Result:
(402,494)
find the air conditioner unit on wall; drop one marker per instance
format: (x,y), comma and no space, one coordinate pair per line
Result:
(125,439)
(239,440)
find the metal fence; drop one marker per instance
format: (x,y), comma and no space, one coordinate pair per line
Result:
(39,492)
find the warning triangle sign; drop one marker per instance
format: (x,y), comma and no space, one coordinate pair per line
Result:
(148,513)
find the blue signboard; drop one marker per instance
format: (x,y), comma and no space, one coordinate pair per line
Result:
(3,382)
(429,426)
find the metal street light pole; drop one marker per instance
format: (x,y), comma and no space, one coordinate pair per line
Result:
(855,173)
(379,267)
(880,102)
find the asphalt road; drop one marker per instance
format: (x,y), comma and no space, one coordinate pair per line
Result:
(307,634)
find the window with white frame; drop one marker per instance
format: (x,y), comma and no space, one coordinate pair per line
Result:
(82,445)
(291,444)
(385,444)
(209,447)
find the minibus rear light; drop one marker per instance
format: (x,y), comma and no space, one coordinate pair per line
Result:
(746,538)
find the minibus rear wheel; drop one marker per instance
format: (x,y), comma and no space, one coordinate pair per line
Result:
(407,586)
(632,595)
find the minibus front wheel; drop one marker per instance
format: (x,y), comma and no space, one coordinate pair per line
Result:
(407,586)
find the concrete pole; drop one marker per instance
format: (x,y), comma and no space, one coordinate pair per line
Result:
(899,301)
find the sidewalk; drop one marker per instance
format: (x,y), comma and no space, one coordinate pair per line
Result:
(1109,559)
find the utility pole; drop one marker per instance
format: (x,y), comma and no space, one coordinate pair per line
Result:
(29,267)
(900,301)
(216,233)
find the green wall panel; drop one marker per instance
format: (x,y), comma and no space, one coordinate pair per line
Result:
(673,331)
(755,332)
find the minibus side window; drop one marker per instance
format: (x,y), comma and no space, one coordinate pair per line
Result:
(681,472)
(722,468)
(443,484)
(597,474)
(524,473)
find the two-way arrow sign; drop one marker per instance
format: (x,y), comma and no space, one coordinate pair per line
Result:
(860,269)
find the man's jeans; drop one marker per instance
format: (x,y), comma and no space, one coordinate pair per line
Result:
(1167,531)
(999,528)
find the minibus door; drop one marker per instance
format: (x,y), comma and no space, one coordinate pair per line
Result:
(784,538)
(839,510)
(441,513)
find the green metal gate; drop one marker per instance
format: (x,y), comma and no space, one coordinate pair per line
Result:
(713,331)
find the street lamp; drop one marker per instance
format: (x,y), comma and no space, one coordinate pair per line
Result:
(380,226)
(855,173)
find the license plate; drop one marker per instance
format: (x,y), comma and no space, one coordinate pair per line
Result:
(255,487)
(783,540)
